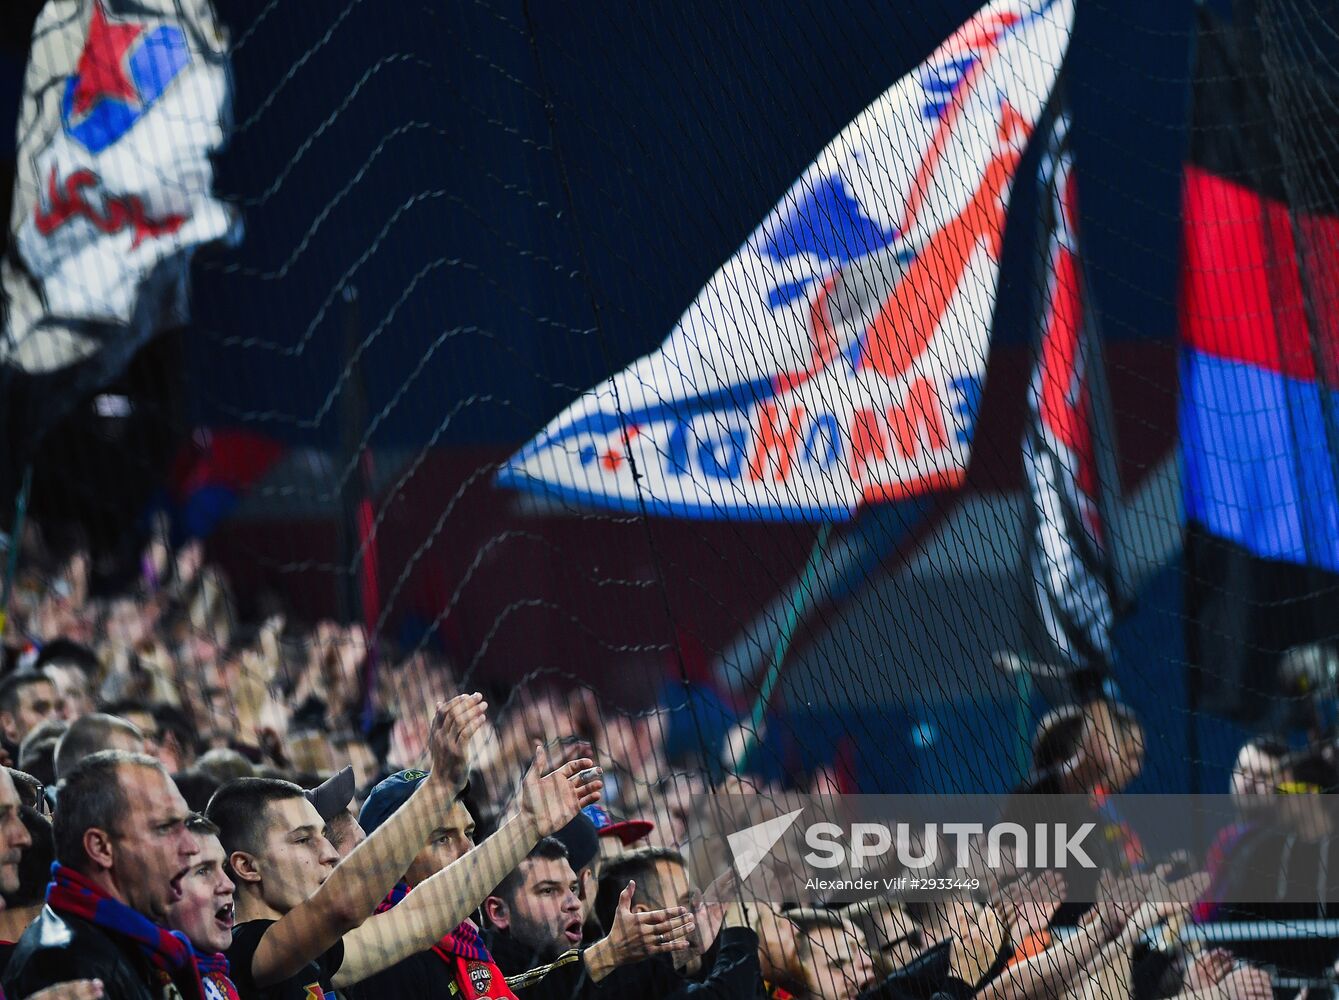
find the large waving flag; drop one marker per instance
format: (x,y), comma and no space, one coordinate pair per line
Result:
(838,357)
(1068,554)
(124,103)
(1260,340)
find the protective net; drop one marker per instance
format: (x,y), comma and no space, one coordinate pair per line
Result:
(992,455)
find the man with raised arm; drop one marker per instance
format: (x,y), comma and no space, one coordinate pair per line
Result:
(460,964)
(305,924)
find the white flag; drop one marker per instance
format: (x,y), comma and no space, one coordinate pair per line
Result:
(123,104)
(838,358)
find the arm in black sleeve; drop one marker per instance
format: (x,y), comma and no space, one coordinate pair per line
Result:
(736,974)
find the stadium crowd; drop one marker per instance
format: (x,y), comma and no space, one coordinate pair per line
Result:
(194,809)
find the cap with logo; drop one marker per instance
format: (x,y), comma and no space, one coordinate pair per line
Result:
(629,831)
(389,795)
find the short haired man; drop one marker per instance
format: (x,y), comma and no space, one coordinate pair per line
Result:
(461,964)
(24,903)
(122,849)
(582,841)
(27,699)
(37,752)
(94,734)
(72,668)
(305,924)
(725,949)
(534,914)
(14,835)
(204,911)
(833,952)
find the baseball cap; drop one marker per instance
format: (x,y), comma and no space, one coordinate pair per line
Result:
(332,796)
(581,839)
(389,795)
(629,831)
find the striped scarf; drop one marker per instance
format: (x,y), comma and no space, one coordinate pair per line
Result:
(214,972)
(169,952)
(465,955)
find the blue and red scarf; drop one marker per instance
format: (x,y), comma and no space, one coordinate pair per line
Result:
(214,971)
(168,952)
(465,955)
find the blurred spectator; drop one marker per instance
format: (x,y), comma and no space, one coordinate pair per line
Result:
(176,738)
(1283,864)
(891,936)
(617,838)
(92,734)
(225,765)
(353,750)
(27,699)
(724,960)
(32,793)
(75,671)
(778,951)
(37,752)
(1257,772)
(837,965)
(24,903)
(197,788)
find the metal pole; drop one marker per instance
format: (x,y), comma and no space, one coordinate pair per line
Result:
(799,598)
(15,543)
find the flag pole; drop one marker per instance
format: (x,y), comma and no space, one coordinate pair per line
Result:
(15,543)
(794,609)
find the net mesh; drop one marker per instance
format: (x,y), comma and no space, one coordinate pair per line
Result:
(280,532)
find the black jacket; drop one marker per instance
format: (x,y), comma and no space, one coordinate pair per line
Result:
(58,949)
(731,973)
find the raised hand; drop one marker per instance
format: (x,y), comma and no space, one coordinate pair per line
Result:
(550,799)
(1209,968)
(1246,983)
(635,936)
(1031,902)
(710,909)
(453,727)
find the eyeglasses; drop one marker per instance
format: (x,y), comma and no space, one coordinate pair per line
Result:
(1298,788)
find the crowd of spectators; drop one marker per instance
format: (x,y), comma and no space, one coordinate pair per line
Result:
(197,809)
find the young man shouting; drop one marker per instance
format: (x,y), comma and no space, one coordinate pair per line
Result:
(204,910)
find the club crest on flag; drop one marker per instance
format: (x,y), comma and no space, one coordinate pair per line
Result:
(124,68)
(838,358)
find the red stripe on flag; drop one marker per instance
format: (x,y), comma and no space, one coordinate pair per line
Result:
(1242,296)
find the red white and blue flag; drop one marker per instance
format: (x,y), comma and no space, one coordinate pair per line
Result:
(838,358)
(124,103)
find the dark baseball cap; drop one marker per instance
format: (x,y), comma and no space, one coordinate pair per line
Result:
(389,795)
(332,796)
(629,831)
